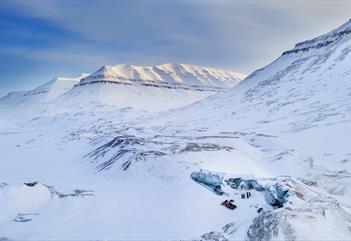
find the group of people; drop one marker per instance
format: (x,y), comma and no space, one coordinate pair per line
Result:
(247,195)
(230,203)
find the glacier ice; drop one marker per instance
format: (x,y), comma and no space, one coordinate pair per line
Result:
(212,181)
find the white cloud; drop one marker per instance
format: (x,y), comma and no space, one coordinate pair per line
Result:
(240,35)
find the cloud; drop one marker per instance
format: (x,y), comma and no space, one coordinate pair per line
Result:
(240,34)
(234,35)
(238,28)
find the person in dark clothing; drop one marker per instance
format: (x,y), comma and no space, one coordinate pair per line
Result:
(248,195)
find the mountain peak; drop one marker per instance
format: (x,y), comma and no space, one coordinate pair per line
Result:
(343,27)
(152,88)
(170,74)
(45,92)
(73,78)
(323,40)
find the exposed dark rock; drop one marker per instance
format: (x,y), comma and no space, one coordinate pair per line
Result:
(76,193)
(129,149)
(4,239)
(335,37)
(24,217)
(264,227)
(197,147)
(100,79)
(213,236)
(30,184)
(230,228)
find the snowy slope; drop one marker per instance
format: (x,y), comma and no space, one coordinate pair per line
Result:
(44,93)
(303,95)
(108,172)
(303,100)
(154,88)
(13,97)
(295,112)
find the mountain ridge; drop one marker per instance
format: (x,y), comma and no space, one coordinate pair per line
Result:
(166,76)
(178,81)
(45,92)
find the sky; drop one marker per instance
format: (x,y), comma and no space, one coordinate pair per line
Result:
(41,39)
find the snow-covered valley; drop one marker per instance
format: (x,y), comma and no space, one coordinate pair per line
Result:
(115,168)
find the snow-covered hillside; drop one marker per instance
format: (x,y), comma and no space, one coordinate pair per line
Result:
(304,96)
(303,101)
(275,146)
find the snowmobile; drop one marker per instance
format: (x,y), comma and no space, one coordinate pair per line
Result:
(229,204)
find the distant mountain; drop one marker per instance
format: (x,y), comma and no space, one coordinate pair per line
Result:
(44,93)
(154,88)
(177,76)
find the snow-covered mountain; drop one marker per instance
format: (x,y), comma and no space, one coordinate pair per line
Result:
(303,95)
(154,88)
(177,76)
(302,101)
(294,113)
(44,93)
(276,144)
